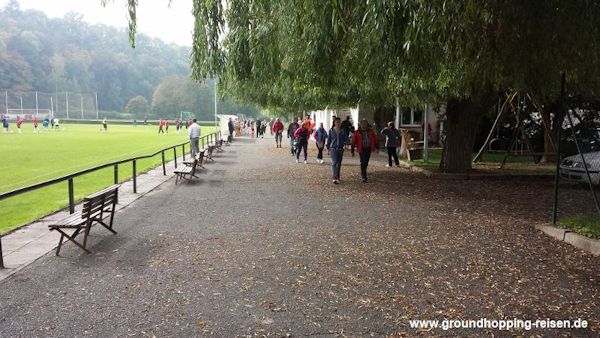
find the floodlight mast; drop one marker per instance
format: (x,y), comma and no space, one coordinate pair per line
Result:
(215,104)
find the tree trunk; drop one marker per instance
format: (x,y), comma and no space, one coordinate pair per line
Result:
(549,134)
(462,120)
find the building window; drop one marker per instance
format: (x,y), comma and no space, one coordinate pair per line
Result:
(412,117)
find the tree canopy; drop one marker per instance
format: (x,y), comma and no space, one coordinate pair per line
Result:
(137,105)
(313,53)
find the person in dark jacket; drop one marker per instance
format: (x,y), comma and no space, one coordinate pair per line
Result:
(320,139)
(302,135)
(290,134)
(335,146)
(365,141)
(346,126)
(392,141)
(231,128)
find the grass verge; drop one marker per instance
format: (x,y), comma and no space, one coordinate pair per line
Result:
(584,225)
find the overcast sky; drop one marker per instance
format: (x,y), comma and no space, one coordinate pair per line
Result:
(155,17)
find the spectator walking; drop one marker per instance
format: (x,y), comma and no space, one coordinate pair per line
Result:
(365,141)
(263,128)
(346,126)
(231,127)
(290,134)
(335,146)
(302,135)
(277,129)
(320,138)
(309,124)
(194,134)
(392,141)
(258,130)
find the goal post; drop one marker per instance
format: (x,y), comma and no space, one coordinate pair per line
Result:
(186,115)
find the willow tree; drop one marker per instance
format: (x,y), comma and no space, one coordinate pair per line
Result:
(465,52)
(314,53)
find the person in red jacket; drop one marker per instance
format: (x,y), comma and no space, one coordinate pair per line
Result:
(365,141)
(19,124)
(301,135)
(161,123)
(278,130)
(36,130)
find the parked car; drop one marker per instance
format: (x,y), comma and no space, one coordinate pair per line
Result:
(572,168)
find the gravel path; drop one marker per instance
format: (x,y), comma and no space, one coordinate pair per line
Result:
(260,245)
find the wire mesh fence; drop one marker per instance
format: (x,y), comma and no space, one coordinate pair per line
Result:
(67,105)
(578,165)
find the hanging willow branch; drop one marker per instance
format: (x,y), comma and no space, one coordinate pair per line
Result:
(131,17)
(206,56)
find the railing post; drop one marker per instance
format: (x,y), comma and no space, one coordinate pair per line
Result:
(175,156)
(71,197)
(1,258)
(183,150)
(134,178)
(116,173)
(162,154)
(203,143)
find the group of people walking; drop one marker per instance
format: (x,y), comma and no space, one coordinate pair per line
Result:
(363,139)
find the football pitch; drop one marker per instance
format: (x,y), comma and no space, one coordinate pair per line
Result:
(30,158)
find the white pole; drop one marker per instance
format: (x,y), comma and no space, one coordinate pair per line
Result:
(67,94)
(21,104)
(215,104)
(36,104)
(81,103)
(6,102)
(51,106)
(425,135)
(96,105)
(397,122)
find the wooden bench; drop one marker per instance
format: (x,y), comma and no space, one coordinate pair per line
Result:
(209,152)
(186,172)
(198,160)
(219,145)
(95,208)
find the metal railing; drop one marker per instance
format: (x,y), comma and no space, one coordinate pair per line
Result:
(209,139)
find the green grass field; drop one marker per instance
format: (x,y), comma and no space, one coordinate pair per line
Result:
(32,158)
(515,165)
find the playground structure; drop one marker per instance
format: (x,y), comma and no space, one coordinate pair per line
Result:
(519,120)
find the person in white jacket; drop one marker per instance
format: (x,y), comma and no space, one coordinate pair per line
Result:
(194,133)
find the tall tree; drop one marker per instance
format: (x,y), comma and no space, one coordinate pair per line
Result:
(312,53)
(137,105)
